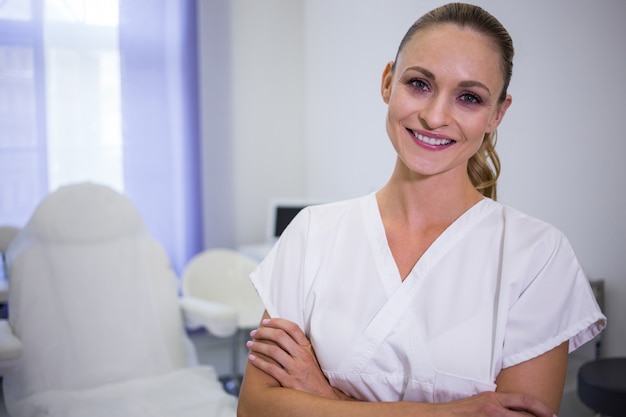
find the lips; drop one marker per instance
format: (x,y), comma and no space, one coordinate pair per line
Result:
(430,140)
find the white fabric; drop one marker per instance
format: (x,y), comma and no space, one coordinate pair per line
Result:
(191,392)
(10,346)
(495,289)
(94,301)
(107,309)
(219,319)
(221,276)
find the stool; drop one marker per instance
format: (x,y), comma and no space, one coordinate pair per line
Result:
(602,386)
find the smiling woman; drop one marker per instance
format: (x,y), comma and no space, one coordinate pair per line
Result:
(442,301)
(453,97)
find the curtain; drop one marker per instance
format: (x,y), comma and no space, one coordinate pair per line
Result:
(23,162)
(159,126)
(160,120)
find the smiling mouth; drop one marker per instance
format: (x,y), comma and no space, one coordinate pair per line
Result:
(431,141)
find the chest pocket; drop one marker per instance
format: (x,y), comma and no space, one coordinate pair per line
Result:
(448,387)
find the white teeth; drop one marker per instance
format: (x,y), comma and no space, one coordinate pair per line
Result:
(431,141)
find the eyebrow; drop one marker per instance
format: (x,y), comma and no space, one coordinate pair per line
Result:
(466,84)
(463,84)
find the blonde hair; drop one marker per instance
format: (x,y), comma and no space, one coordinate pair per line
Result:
(484,167)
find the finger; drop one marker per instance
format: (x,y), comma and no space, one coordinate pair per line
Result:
(278,337)
(268,366)
(525,403)
(270,352)
(254,348)
(291,328)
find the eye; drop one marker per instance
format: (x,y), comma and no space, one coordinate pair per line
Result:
(470,98)
(418,84)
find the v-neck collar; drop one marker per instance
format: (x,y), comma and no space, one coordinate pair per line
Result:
(385,262)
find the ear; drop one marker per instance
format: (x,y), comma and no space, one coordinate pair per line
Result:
(499,115)
(385,87)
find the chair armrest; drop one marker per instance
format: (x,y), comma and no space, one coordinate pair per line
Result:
(10,345)
(219,319)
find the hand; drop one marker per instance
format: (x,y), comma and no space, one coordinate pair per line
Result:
(281,349)
(496,404)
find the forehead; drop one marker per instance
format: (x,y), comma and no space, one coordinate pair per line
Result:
(448,49)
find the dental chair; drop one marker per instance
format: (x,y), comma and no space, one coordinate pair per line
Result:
(93,302)
(221,276)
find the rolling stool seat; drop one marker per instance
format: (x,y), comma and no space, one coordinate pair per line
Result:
(602,386)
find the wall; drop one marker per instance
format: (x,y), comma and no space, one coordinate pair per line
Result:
(215,72)
(252,81)
(313,125)
(562,142)
(268,107)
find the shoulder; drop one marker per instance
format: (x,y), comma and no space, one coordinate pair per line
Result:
(532,243)
(527,229)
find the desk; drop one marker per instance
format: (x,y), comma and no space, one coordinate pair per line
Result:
(602,386)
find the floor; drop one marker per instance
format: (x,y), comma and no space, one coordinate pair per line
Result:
(217,352)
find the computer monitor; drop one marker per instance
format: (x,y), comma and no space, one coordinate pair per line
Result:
(281,212)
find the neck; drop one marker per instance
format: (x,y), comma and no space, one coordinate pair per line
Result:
(427,199)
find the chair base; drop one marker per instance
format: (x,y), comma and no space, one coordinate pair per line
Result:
(232,385)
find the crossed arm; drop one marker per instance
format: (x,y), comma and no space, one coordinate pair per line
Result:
(283,378)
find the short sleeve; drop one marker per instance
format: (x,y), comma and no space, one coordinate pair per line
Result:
(555,303)
(278,278)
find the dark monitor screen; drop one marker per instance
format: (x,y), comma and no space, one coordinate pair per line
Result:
(284,216)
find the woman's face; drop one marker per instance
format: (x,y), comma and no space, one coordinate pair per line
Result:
(442,98)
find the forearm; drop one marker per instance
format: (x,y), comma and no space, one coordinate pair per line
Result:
(285,402)
(283,378)
(262,396)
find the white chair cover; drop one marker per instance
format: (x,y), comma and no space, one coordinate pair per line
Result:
(223,276)
(94,301)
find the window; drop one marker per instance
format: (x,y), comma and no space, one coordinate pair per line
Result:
(83,93)
(22,145)
(103,91)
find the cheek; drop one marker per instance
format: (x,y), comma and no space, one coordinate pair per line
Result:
(400,108)
(476,126)
(393,126)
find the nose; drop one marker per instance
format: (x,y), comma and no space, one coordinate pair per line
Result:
(435,113)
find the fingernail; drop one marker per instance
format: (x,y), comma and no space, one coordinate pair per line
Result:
(252,333)
(251,357)
(249,343)
(266,321)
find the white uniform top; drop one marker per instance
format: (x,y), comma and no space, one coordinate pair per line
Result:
(495,289)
